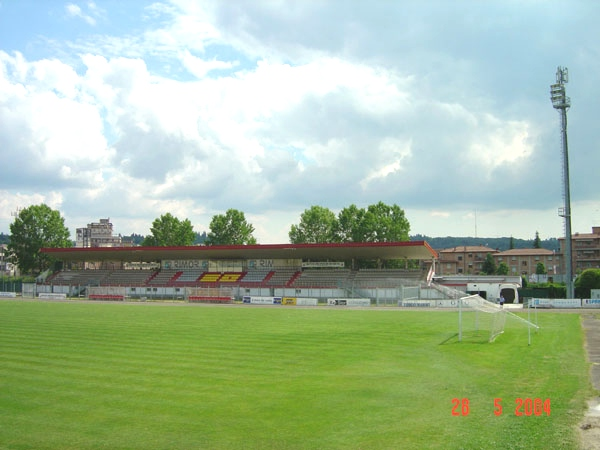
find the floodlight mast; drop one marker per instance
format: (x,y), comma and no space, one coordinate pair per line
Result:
(562,103)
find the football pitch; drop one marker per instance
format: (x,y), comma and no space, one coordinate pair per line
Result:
(121,376)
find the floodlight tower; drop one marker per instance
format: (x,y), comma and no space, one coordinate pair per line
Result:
(561,102)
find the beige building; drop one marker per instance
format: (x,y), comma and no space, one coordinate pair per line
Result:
(462,260)
(97,234)
(585,250)
(6,267)
(524,261)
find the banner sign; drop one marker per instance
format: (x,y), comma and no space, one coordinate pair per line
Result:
(180,264)
(556,302)
(349,302)
(260,264)
(299,301)
(416,303)
(247,299)
(323,264)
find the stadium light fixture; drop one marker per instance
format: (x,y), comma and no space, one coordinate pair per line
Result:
(562,103)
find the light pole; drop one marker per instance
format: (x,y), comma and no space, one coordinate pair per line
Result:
(561,102)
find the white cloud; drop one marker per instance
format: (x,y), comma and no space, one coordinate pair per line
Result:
(74,10)
(193,108)
(200,68)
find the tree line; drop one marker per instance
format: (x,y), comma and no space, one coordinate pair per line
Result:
(39,226)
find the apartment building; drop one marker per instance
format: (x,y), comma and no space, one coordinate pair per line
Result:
(585,250)
(524,261)
(463,260)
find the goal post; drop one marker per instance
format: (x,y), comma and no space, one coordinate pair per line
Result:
(479,318)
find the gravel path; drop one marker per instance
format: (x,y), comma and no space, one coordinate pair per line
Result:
(589,429)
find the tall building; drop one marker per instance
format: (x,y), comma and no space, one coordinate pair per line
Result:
(585,250)
(6,267)
(98,234)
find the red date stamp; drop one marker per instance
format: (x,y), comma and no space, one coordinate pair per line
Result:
(522,407)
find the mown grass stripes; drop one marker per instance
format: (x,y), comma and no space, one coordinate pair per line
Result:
(88,376)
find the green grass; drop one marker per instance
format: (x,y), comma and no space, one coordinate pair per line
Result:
(117,376)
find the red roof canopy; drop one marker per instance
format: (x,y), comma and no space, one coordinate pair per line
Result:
(359,250)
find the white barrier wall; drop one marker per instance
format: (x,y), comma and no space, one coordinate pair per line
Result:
(428,303)
(555,303)
(52,295)
(590,303)
(8,294)
(107,290)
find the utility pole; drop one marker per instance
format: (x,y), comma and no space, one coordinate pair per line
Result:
(562,103)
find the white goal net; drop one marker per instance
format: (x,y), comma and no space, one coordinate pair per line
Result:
(480,319)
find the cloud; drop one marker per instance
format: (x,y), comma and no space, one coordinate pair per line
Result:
(200,68)
(90,18)
(272,107)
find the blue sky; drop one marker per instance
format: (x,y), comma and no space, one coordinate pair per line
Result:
(130,110)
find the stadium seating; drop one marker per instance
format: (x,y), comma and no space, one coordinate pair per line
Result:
(323,278)
(278,277)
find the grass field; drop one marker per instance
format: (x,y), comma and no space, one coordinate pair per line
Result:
(118,376)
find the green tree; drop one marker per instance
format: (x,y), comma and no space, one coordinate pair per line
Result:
(502,269)
(511,243)
(34,228)
(349,225)
(169,231)
(489,265)
(317,226)
(385,223)
(540,269)
(586,281)
(230,228)
(537,242)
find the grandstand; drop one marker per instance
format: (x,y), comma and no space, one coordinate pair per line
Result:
(303,270)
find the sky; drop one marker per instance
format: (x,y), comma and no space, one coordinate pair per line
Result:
(131,110)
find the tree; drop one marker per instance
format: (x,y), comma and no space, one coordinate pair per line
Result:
(489,265)
(588,279)
(511,243)
(384,223)
(317,226)
(502,269)
(36,227)
(169,231)
(349,225)
(537,242)
(540,269)
(230,228)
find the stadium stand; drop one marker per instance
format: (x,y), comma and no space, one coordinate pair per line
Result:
(280,277)
(79,277)
(288,276)
(164,277)
(128,277)
(321,278)
(254,277)
(385,277)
